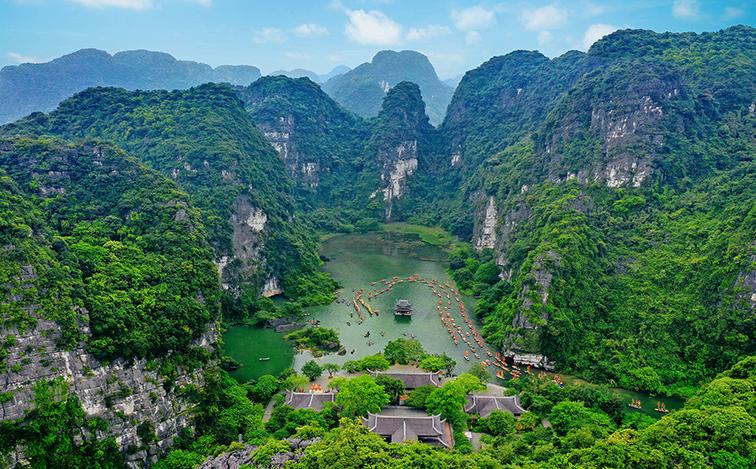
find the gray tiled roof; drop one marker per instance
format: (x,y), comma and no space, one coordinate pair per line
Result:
(411,380)
(308,400)
(484,404)
(407,428)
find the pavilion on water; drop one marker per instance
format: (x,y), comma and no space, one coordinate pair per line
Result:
(402,308)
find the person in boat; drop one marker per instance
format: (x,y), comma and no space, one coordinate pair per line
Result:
(352,352)
(349,323)
(367,334)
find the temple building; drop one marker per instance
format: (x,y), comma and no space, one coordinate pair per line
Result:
(399,425)
(485,404)
(411,379)
(402,308)
(309,400)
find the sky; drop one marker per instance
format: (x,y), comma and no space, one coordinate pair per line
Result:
(320,34)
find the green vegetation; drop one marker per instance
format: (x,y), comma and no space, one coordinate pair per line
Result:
(376,362)
(403,351)
(434,236)
(316,338)
(205,140)
(312,370)
(104,236)
(56,433)
(360,395)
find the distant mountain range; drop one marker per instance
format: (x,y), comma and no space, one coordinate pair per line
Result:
(27,88)
(362,90)
(303,72)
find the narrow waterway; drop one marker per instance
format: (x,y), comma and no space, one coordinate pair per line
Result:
(361,262)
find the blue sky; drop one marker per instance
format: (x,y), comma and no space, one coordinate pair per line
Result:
(318,35)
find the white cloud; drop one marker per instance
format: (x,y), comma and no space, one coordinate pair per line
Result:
(268,35)
(427,32)
(732,13)
(596,32)
(544,37)
(593,9)
(685,8)
(546,17)
(126,4)
(21,58)
(372,27)
(473,18)
(472,37)
(310,30)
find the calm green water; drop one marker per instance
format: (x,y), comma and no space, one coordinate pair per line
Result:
(248,344)
(356,261)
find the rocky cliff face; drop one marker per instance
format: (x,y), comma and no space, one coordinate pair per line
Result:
(317,140)
(402,139)
(124,394)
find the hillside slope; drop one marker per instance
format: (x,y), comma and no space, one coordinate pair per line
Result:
(105,269)
(622,222)
(204,140)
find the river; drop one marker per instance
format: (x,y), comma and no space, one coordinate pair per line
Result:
(357,261)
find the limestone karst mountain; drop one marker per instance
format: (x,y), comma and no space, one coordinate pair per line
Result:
(362,89)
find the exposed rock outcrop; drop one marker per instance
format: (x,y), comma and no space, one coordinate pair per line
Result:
(236,458)
(486,237)
(123,394)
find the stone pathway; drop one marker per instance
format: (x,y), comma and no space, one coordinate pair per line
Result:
(268,410)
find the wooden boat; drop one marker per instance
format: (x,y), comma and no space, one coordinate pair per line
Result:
(467,355)
(635,404)
(661,408)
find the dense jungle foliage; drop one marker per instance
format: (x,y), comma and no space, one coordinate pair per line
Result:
(642,285)
(94,238)
(320,132)
(205,140)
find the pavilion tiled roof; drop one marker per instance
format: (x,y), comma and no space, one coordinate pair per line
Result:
(410,428)
(411,379)
(485,404)
(308,400)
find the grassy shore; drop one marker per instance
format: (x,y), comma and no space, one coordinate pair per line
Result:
(428,234)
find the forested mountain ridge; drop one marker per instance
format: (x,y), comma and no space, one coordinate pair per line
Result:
(28,88)
(319,142)
(623,221)
(205,140)
(105,263)
(362,89)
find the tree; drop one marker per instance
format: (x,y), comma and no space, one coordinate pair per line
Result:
(480,372)
(568,415)
(360,395)
(264,389)
(312,370)
(393,387)
(449,401)
(499,423)
(470,383)
(350,445)
(331,368)
(403,351)
(437,363)
(376,362)
(296,381)
(419,396)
